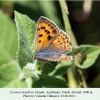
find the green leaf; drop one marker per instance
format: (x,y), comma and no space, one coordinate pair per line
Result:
(9,69)
(91,53)
(48,67)
(61,68)
(9,74)
(49,82)
(17,83)
(8,39)
(26,34)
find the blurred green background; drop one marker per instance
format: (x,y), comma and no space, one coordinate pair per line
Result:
(85,21)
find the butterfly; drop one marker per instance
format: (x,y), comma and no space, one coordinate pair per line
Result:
(51,42)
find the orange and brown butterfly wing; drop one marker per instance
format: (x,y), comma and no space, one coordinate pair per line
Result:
(46,33)
(61,44)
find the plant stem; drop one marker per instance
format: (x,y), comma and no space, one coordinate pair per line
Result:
(71,78)
(67,23)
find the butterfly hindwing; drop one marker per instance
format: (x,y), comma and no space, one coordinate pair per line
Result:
(62,59)
(46,32)
(61,44)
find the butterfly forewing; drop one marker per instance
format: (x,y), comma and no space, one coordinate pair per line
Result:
(46,33)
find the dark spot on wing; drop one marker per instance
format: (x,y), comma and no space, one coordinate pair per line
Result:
(54,31)
(49,37)
(66,37)
(43,27)
(52,27)
(48,24)
(40,35)
(48,32)
(38,28)
(63,38)
(39,41)
(58,41)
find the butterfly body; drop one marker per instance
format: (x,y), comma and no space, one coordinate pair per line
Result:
(51,42)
